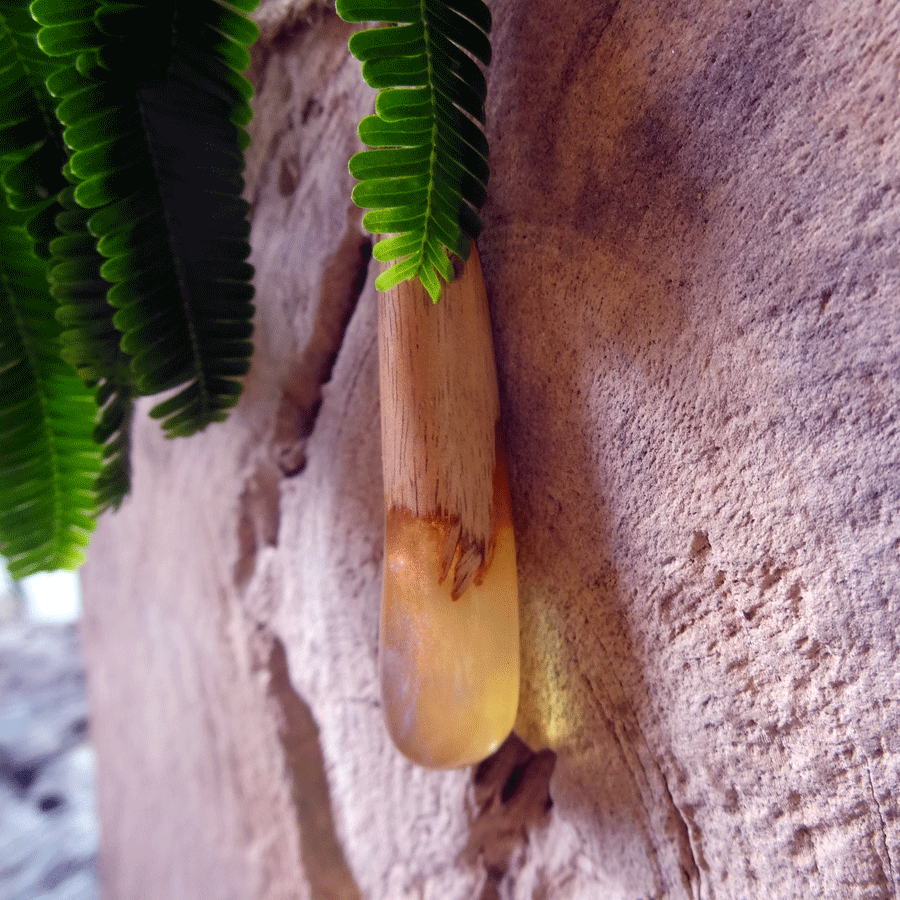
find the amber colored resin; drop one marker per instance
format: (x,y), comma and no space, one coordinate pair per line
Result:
(449,667)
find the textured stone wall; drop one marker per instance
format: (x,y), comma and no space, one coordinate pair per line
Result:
(690,249)
(693,244)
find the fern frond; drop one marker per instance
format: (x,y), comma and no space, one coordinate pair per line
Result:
(426,177)
(89,339)
(90,344)
(156,139)
(48,459)
(113,433)
(31,148)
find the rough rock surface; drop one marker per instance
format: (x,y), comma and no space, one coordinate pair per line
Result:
(691,251)
(48,823)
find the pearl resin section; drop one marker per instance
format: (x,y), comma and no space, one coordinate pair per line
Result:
(449,668)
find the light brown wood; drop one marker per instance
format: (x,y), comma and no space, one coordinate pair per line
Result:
(440,408)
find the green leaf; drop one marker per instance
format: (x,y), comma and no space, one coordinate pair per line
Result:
(31,148)
(55,12)
(377,43)
(48,459)
(91,345)
(395,247)
(426,177)
(385,163)
(154,115)
(379,10)
(64,40)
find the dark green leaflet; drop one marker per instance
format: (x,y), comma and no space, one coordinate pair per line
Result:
(123,246)
(153,107)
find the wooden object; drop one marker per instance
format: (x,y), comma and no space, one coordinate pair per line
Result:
(449,638)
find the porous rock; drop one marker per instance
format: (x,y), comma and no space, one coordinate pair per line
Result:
(690,249)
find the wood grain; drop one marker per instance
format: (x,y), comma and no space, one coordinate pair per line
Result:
(440,408)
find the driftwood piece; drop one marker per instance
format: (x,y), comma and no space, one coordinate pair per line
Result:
(690,255)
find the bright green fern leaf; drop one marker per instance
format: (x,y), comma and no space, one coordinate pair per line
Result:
(49,461)
(91,344)
(134,277)
(426,177)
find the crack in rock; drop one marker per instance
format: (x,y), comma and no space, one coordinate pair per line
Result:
(342,284)
(258,520)
(322,856)
(512,796)
(690,871)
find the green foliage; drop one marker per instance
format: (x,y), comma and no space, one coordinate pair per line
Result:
(31,148)
(124,236)
(426,177)
(91,343)
(153,107)
(123,246)
(49,461)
